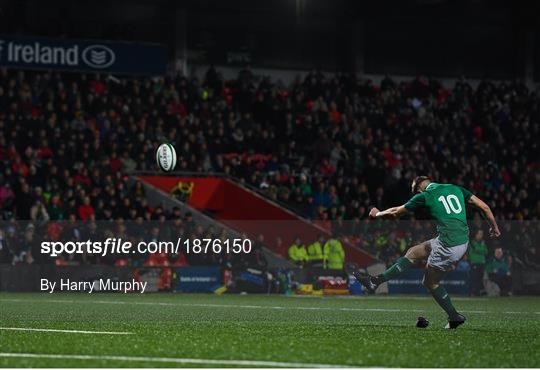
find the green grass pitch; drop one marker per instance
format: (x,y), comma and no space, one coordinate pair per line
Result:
(176,330)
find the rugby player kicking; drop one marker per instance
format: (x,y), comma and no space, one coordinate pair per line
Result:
(446,205)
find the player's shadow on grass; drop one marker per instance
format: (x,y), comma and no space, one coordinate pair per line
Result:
(386,326)
(432,327)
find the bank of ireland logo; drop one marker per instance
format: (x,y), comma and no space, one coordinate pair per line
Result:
(98,56)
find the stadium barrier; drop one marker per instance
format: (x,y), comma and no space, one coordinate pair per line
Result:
(525,281)
(198,279)
(206,279)
(410,282)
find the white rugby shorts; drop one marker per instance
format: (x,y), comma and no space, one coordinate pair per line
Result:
(445,258)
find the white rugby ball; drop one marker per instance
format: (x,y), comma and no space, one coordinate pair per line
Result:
(166,157)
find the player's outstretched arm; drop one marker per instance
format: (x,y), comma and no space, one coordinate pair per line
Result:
(390,213)
(486,211)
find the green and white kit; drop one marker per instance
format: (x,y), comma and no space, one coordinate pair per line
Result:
(446,205)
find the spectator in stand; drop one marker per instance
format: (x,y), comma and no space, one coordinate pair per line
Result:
(297,253)
(478,252)
(334,254)
(5,255)
(38,212)
(498,270)
(85,210)
(256,258)
(6,195)
(464,265)
(315,252)
(55,209)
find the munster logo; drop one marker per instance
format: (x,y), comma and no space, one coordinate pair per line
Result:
(183,191)
(98,56)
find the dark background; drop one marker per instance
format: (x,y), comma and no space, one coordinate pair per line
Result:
(497,39)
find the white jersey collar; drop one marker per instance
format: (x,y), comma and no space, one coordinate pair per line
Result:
(431,183)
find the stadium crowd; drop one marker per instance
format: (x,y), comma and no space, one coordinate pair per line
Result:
(328,147)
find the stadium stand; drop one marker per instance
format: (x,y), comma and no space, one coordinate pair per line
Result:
(326,147)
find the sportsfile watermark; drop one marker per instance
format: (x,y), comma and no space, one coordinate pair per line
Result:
(43,241)
(137,240)
(119,246)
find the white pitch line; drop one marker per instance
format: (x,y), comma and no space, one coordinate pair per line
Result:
(69,331)
(386,297)
(521,312)
(217,305)
(354,309)
(480,312)
(174,360)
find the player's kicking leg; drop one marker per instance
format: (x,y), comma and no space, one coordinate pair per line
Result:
(414,254)
(431,281)
(440,259)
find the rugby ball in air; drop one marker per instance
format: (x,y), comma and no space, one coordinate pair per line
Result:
(166,157)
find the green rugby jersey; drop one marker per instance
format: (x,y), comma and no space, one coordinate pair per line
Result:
(446,204)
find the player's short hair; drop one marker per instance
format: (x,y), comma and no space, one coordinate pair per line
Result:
(417,181)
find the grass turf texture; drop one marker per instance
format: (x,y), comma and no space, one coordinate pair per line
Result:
(363,331)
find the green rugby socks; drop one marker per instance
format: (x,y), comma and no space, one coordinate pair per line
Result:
(443,299)
(401,265)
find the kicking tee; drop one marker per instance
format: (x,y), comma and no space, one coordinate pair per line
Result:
(446,205)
